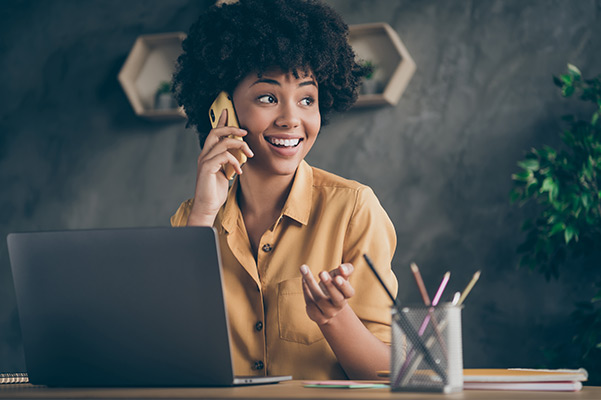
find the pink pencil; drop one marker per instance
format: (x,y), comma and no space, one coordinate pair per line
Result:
(441,288)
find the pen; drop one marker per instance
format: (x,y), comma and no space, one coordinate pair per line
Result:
(410,331)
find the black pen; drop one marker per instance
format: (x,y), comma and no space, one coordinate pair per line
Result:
(412,334)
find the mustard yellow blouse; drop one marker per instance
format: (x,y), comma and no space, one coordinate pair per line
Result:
(326,220)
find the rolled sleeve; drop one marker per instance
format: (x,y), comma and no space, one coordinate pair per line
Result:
(371,232)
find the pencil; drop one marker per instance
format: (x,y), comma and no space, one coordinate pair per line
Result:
(371,265)
(469,287)
(420,284)
(441,288)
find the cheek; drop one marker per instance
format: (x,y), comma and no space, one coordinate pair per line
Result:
(314,125)
(254,121)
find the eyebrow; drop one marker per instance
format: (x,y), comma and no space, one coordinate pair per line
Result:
(274,82)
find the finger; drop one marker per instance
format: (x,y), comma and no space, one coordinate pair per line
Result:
(335,295)
(315,290)
(225,145)
(307,293)
(217,134)
(214,164)
(344,286)
(323,288)
(313,310)
(345,270)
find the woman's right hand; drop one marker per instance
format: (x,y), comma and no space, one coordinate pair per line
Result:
(211,182)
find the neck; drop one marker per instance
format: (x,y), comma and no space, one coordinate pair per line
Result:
(262,194)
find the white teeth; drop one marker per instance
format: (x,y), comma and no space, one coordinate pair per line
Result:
(284,142)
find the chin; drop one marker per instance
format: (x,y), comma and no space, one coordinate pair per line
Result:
(284,168)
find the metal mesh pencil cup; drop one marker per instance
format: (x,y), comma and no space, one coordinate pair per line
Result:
(432,360)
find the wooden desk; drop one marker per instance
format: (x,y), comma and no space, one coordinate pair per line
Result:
(283,390)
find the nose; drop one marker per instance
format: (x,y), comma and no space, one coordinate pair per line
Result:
(288,117)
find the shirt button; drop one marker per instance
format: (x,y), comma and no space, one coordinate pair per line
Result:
(258,365)
(267,248)
(259,326)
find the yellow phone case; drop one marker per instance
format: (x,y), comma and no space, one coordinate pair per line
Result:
(224,101)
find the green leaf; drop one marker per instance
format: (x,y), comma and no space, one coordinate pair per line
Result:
(529,164)
(557,81)
(549,185)
(575,71)
(570,233)
(558,227)
(595,118)
(521,176)
(585,200)
(567,91)
(566,79)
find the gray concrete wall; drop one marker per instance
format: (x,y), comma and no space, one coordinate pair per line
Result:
(73,154)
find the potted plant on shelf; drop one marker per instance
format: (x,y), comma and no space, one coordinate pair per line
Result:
(565,184)
(163,98)
(370,85)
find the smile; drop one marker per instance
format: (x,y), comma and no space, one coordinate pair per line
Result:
(283,142)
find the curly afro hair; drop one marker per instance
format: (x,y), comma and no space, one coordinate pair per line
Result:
(230,41)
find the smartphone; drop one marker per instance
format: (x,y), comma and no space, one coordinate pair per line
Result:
(224,101)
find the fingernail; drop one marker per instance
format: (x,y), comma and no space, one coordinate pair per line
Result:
(339,280)
(324,276)
(304,269)
(344,268)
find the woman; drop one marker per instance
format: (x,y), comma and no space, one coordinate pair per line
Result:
(283,224)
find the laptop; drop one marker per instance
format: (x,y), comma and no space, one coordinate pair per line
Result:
(124,308)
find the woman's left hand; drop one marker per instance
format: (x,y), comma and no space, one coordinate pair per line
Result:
(324,300)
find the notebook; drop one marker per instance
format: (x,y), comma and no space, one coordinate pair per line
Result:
(123,308)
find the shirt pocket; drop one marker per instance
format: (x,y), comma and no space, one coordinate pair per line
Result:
(293,321)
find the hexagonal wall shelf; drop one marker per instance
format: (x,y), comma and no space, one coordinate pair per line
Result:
(379,44)
(150,62)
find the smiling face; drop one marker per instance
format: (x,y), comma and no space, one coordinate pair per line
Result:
(281,114)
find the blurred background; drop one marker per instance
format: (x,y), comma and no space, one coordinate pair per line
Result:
(73,154)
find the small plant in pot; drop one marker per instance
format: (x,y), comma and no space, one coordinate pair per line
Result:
(164,99)
(370,85)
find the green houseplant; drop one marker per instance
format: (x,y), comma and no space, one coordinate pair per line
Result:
(564,184)
(370,85)
(163,97)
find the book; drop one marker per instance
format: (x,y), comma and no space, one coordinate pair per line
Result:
(570,386)
(524,375)
(14,377)
(557,380)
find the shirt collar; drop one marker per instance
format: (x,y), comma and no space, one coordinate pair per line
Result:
(297,206)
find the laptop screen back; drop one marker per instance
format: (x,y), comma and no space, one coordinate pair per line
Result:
(122,307)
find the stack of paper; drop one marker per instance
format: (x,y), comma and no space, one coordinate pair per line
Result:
(565,380)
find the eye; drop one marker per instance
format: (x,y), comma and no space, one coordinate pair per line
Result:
(307,101)
(267,99)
